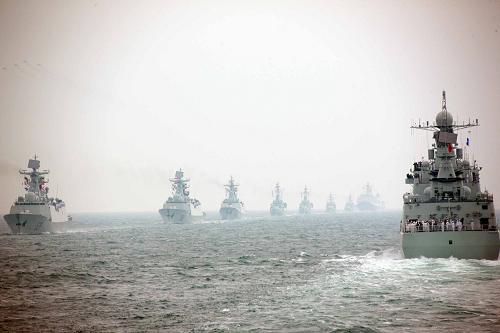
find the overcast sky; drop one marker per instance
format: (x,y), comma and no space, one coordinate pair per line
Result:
(114,96)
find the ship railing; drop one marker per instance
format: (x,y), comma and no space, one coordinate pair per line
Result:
(28,203)
(420,199)
(412,227)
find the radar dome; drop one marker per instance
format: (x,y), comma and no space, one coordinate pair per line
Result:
(466,192)
(444,118)
(427,192)
(31,197)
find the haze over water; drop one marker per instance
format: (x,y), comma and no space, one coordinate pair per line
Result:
(342,273)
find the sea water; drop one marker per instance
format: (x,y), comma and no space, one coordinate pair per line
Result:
(320,273)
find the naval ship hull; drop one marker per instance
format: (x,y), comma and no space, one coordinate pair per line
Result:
(368,206)
(32,224)
(304,210)
(331,210)
(277,211)
(229,213)
(179,216)
(460,245)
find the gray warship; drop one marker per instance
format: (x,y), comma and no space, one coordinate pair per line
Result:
(278,206)
(180,208)
(369,201)
(305,205)
(231,208)
(349,205)
(331,207)
(447,214)
(36,212)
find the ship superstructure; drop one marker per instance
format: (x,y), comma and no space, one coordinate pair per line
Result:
(305,205)
(369,201)
(36,212)
(447,214)
(231,208)
(278,206)
(331,207)
(180,207)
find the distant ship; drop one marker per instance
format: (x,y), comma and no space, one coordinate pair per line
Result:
(349,205)
(35,212)
(278,206)
(447,214)
(305,205)
(180,208)
(231,208)
(331,207)
(368,201)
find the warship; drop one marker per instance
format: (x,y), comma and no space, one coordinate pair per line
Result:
(331,207)
(447,214)
(349,205)
(368,201)
(305,205)
(180,208)
(278,206)
(231,208)
(36,212)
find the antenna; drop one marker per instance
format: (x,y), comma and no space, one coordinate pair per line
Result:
(443,104)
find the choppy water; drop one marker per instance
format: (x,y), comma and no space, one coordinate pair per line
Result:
(130,272)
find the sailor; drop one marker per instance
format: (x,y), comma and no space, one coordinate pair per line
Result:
(426,226)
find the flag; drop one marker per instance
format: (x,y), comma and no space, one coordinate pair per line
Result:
(467,142)
(450,148)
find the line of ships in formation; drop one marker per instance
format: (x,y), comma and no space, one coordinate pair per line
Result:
(445,215)
(181,208)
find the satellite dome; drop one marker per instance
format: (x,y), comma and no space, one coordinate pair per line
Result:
(31,197)
(444,118)
(466,192)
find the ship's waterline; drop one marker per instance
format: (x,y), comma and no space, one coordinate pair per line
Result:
(180,216)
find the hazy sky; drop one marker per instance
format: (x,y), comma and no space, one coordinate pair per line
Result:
(114,96)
